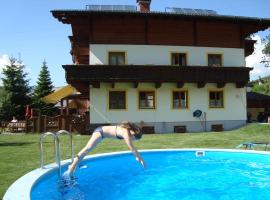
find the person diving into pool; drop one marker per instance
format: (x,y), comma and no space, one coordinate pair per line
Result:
(125,131)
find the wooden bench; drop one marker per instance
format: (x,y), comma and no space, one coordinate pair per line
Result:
(180,129)
(15,127)
(217,127)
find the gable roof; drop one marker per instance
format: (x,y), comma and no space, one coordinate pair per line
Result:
(230,18)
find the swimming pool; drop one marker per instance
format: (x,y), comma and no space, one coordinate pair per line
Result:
(171,174)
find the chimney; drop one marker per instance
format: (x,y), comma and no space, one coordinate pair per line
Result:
(144,5)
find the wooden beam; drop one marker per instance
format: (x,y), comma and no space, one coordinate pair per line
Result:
(95,84)
(180,84)
(91,27)
(242,38)
(146,24)
(67,102)
(81,51)
(195,40)
(240,84)
(158,84)
(62,107)
(201,84)
(82,87)
(221,85)
(113,84)
(135,84)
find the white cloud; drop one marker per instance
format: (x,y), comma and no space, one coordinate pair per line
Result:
(4,60)
(259,69)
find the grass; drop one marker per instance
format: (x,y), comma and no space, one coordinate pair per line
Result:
(20,153)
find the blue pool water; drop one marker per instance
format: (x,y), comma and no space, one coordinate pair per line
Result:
(169,176)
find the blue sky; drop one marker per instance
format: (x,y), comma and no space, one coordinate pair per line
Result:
(28,30)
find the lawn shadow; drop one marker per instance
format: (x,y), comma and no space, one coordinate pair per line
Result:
(7,144)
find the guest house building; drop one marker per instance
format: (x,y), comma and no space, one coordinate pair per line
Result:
(177,70)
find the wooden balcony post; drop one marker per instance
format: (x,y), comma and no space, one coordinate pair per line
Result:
(59,122)
(61,112)
(34,124)
(26,125)
(39,123)
(44,123)
(67,100)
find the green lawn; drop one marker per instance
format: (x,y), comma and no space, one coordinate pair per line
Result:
(20,154)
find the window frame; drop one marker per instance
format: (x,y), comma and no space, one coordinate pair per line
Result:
(186,99)
(215,54)
(179,53)
(216,106)
(109,100)
(154,100)
(115,53)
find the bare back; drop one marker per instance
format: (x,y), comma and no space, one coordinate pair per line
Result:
(113,131)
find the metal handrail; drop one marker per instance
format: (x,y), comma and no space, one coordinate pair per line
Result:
(58,133)
(56,144)
(57,153)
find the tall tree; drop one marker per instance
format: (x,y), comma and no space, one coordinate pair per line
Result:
(43,88)
(266,51)
(17,91)
(2,95)
(262,88)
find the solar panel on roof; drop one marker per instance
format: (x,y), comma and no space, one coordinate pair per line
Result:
(93,7)
(190,11)
(111,7)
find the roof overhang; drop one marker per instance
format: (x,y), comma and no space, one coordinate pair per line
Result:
(65,16)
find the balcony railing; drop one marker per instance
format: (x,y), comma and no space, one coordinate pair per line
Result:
(159,74)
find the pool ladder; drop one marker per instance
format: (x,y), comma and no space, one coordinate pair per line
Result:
(57,154)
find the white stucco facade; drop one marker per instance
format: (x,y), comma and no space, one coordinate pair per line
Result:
(234,104)
(164,117)
(161,55)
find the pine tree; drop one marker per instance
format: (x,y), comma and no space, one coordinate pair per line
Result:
(43,88)
(17,91)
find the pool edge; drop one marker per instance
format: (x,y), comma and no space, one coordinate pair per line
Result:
(21,188)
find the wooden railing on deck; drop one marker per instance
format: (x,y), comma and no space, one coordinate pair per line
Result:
(42,123)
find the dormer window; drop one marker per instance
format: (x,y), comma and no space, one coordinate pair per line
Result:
(117,58)
(215,60)
(178,59)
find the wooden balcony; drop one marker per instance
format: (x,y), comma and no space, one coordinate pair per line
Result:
(79,75)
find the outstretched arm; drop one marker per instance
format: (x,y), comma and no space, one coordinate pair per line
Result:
(127,138)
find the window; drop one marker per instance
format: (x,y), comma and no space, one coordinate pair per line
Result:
(117,58)
(214,60)
(146,100)
(117,100)
(179,59)
(216,99)
(180,99)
